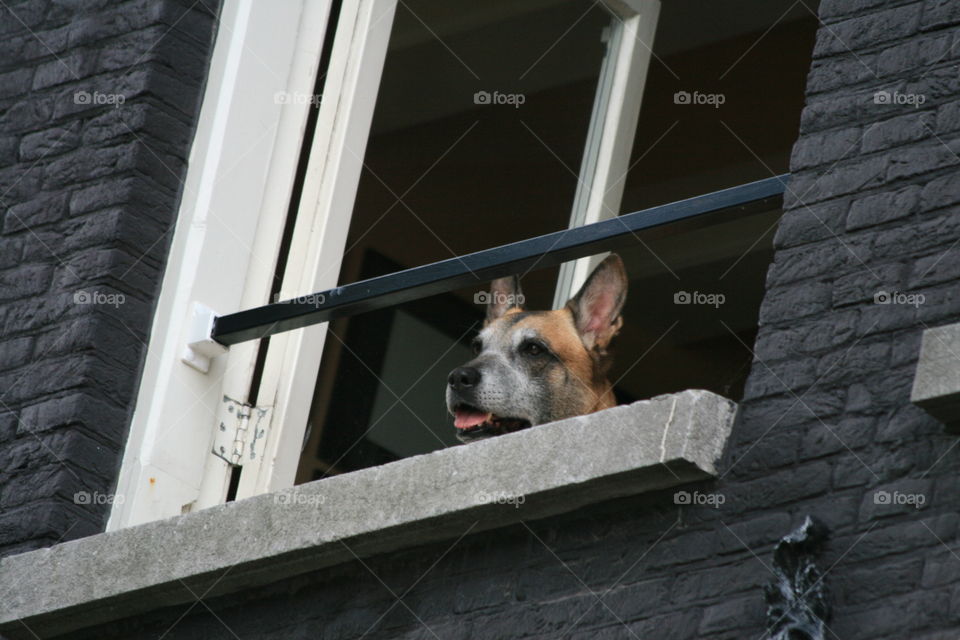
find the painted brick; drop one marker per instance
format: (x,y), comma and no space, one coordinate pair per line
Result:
(731,615)
(896,131)
(829,437)
(915,160)
(811,223)
(44,208)
(937,268)
(50,142)
(826,148)
(841,71)
(870,584)
(868,30)
(868,284)
(894,617)
(807,299)
(948,117)
(846,178)
(940,13)
(830,10)
(916,53)
(883,207)
(939,84)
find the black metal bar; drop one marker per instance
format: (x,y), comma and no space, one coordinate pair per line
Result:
(439,277)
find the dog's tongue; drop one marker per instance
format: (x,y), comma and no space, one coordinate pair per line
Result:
(465,419)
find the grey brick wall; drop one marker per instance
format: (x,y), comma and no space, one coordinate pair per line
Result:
(826,422)
(89,189)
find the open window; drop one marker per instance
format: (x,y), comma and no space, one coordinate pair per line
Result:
(721,108)
(421,130)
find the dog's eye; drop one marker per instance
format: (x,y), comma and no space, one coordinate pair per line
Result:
(477,346)
(531,349)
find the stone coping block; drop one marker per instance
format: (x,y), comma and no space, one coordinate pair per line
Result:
(936,386)
(539,472)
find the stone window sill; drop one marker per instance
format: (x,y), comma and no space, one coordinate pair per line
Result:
(544,471)
(936,386)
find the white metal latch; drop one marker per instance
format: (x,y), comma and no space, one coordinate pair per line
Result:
(201,347)
(241,429)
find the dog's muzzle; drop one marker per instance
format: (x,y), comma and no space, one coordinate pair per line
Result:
(473,422)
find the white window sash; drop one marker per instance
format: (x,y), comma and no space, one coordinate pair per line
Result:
(224,248)
(320,234)
(613,126)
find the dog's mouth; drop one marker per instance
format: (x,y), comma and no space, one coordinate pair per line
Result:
(473,424)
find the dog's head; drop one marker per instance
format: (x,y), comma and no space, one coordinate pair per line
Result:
(533,367)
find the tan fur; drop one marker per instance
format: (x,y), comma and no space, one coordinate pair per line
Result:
(558,329)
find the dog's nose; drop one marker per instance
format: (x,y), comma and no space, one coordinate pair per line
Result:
(463,378)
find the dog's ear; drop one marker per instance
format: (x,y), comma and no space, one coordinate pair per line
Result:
(504,295)
(596,307)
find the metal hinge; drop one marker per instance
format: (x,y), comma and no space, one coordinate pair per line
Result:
(241,430)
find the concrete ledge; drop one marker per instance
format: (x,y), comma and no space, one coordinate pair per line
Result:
(547,470)
(936,386)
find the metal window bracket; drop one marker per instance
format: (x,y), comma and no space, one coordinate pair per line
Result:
(240,427)
(201,348)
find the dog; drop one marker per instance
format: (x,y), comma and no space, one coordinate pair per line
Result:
(532,367)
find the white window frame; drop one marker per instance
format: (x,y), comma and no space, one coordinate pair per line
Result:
(167,467)
(224,248)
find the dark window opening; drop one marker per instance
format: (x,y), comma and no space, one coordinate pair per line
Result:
(445,176)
